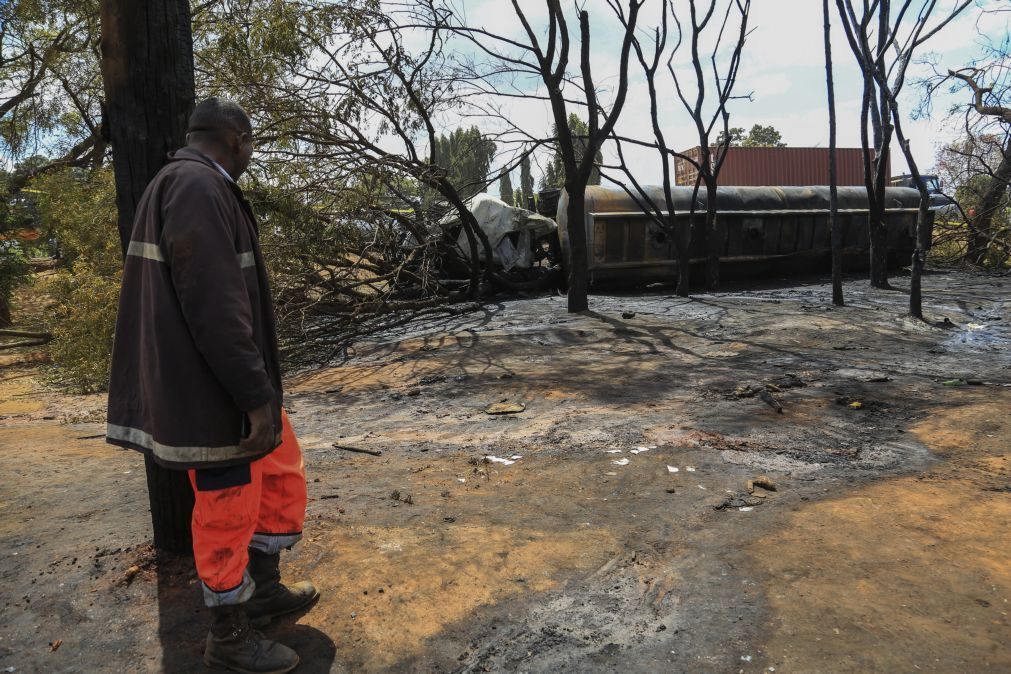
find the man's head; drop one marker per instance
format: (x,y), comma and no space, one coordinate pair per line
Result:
(221,129)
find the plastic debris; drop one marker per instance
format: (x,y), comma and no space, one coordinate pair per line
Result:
(638,450)
(516,457)
(505,408)
(702,488)
(763,481)
(672,469)
(690,469)
(495,459)
(856,405)
(620,462)
(955,382)
(746,509)
(746,658)
(461,480)
(614,451)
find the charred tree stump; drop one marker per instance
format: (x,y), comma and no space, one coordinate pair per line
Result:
(147,67)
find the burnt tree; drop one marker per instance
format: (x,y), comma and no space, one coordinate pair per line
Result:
(981,224)
(147,67)
(833,180)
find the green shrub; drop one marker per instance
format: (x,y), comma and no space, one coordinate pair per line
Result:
(79,210)
(14,271)
(84,316)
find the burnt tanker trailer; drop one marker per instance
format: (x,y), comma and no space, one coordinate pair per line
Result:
(761,230)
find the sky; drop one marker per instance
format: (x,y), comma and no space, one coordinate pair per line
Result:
(783,68)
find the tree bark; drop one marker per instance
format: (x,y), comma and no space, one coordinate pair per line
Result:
(147,67)
(833,181)
(575,213)
(982,222)
(714,240)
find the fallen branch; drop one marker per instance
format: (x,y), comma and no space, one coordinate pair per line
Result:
(21,333)
(15,345)
(358,450)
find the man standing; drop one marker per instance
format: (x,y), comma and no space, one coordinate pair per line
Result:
(196,384)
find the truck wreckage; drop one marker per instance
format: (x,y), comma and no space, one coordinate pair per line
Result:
(783,230)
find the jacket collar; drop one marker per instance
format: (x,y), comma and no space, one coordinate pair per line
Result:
(194,155)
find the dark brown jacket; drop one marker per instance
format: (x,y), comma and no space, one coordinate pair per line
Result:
(196,340)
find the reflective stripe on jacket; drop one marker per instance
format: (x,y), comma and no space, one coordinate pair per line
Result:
(196,340)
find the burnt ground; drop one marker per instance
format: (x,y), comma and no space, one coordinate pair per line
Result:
(884,547)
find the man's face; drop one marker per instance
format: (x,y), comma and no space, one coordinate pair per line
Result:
(242,151)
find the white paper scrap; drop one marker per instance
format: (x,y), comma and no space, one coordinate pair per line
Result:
(672,469)
(461,480)
(690,469)
(620,462)
(702,488)
(614,451)
(495,459)
(746,509)
(516,457)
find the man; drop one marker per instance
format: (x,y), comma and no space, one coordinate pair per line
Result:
(196,384)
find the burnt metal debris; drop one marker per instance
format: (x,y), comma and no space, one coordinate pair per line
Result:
(762,230)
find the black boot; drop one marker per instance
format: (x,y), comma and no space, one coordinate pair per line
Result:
(272,598)
(233,644)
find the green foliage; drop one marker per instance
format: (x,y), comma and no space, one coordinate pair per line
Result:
(526,180)
(79,210)
(505,189)
(14,272)
(554,173)
(467,155)
(84,320)
(759,136)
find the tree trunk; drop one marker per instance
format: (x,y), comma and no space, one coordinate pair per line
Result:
(919,256)
(147,67)
(878,227)
(714,238)
(982,222)
(833,181)
(5,313)
(575,213)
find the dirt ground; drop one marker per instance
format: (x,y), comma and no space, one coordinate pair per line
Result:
(621,537)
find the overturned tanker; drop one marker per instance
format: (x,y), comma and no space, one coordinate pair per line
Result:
(760,229)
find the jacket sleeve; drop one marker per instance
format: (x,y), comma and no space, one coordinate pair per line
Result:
(198,245)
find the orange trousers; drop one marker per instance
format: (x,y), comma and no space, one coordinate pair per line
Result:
(265,513)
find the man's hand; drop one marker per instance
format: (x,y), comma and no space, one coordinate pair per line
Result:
(262,436)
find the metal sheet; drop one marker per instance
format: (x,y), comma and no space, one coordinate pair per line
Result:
(785,166)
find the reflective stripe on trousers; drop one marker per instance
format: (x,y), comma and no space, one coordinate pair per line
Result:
(266,514)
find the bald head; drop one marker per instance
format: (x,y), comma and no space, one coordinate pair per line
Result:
(221,129)
(218,116)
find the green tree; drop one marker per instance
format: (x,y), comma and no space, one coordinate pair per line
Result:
(736,135)
(505,189)
(79,210)
(763,136)
(526,180)
(554,174)
(467,155)
(759,136)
